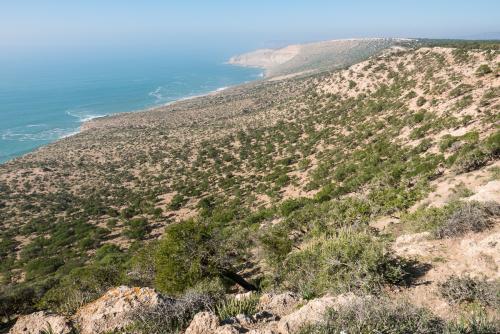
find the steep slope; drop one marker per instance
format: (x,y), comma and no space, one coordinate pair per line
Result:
(284,179)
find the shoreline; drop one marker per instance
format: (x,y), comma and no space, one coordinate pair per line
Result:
(84,122)
(216,91)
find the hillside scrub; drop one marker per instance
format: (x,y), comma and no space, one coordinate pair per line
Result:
(452,220)
(386,315)
(349,261)
(467,289)
(270,186)
(192,251)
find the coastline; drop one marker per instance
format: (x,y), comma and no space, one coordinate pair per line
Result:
(84,123)
(87,124)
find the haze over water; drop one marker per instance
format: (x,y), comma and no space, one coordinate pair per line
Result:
(46,99)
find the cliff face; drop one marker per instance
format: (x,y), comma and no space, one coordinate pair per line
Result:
(379,179)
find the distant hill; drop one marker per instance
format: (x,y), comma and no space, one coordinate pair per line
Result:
(313,57)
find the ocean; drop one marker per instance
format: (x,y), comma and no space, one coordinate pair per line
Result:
(44,100)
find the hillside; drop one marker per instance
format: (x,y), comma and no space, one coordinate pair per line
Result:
(314,57)
(379,182)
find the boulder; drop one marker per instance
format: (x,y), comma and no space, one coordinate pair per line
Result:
(203,323)
(313,312)
(36,322)
(115,309)
(279,304)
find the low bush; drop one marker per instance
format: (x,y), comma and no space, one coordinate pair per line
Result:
(421,101)
(467,289)
(231,307)
(471,160)
(372,315)
(137,228)
(460,90)
(475,321)
(468,217)
(454,219)
(350,261)
(482,70)
(173,316)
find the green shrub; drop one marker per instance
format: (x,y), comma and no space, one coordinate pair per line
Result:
(137,228)
(349,261)
(193,251)
(452,220)
(276,244)
(476,321)
(421,101)
(467,289)
(471,160)
(426,219)
(468,217)
(482,70)
(373,315)
(42,267)
(177,202)
(290,205)
(446,142)
(231,307)
(460,90)
(81,286)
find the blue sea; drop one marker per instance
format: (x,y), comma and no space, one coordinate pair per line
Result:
(47,98)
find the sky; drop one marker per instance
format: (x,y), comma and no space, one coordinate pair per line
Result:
(35,26)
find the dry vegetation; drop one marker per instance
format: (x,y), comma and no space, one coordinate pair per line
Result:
(272,184)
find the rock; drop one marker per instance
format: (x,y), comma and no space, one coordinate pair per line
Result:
(115,309)
(313,312)
(242,296)
(261,331)
(487,192)
(244,319)
(310,313)
(264,316)
(279,304)
(203,323)
(36,322)
(227,329)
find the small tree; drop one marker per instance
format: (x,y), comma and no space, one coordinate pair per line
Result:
(192,251)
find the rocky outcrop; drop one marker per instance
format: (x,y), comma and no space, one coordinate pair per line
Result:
(265,322)
(279,304)
(312,313)
(203,323)
(39,321)
(115,309)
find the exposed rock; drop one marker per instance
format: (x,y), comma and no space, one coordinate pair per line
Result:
(36,322)
(241,296)
(228,329)
(265,322)
(488,192)
(264,316)
(203,323)
(115,309)
(244,319)
(279,304)
(313,312)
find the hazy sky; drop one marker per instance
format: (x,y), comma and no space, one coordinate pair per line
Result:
(35,25)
